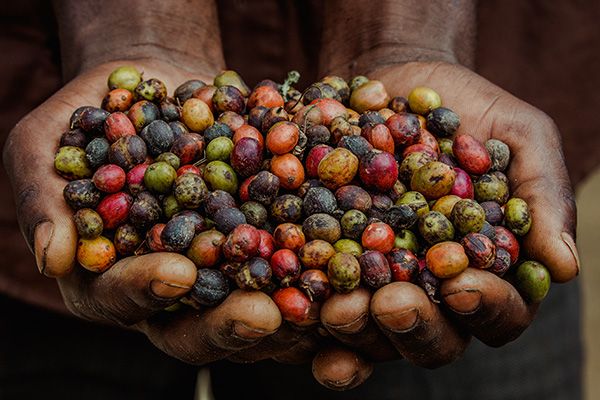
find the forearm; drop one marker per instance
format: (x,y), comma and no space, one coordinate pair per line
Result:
(359,37)
(93,32)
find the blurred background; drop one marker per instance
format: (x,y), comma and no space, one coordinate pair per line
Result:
(545,52)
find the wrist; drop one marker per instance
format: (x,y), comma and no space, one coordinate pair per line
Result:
(94,33)
(405,31)
(379,58)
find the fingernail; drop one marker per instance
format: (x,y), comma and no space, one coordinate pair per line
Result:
(463,302)
(399,322)
(351,327)
(168,290)
(568,239)
(245,332)
(41,242)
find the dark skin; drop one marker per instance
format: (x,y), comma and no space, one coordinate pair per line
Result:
(478,302)
(398,320)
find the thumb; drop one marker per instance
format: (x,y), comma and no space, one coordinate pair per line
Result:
(44,217)
(540,177)
(551,238)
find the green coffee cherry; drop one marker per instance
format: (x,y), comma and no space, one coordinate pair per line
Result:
(416,201)
(422,100)
(71,163)
(170,206)
(348,246)
(533,281)
(159,177)
(343,271)
(125,77)
(489,187)
(517,217)
(232,78)
(220,176)
(169,158)
(406,239)
(435,227)
(219,149)
(467,216)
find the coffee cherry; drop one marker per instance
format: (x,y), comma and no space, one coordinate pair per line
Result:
(254,274)
(96,255)
(127,239)
(190,190)
(343,271)
(125,77)
(375,270)
(315,284)
(88,223)
(96,152)
(211,287)
(446,260)
(533,281)
(153,90)
(517,217)
(177,234)
(81,193)
(109,178)
(71,163)
(159,177)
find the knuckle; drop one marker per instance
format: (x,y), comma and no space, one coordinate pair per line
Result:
(546,121)
(529,123)
(546,125)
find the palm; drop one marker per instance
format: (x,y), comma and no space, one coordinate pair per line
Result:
(476,302)
(537,172)
(133,290)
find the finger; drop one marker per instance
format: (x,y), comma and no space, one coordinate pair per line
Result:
(131,290)
(489,306)
(416,326)
(338,368)
(346,317)
(45,219)
(538,175)
(544,184)
(199,337)
(43,215)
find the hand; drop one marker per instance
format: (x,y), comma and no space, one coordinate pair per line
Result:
(476,302)
(133,290)
(244,328)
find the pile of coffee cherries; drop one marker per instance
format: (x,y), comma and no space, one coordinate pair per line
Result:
(297,194)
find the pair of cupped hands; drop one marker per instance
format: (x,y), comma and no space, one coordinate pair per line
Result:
(397,321)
